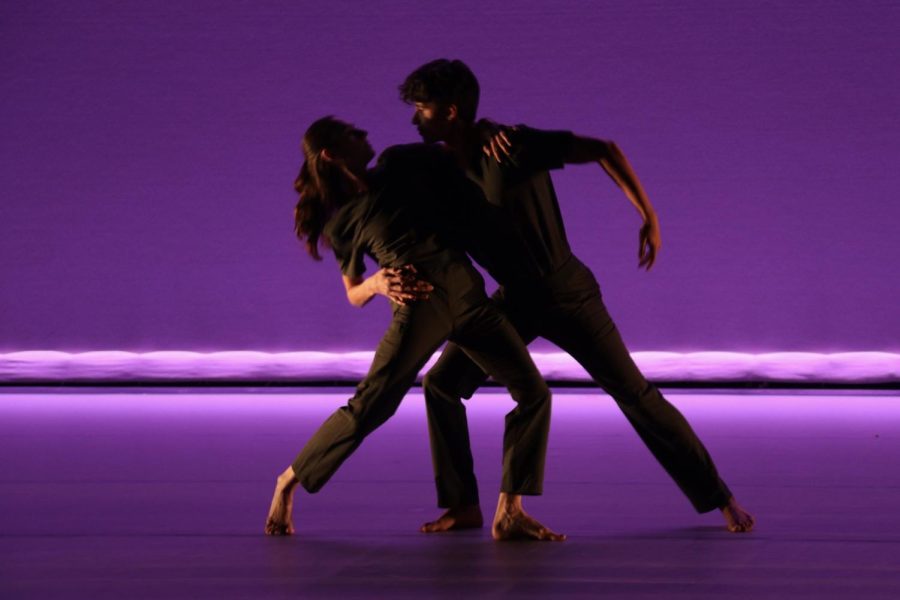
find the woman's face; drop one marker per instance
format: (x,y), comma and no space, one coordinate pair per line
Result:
(352,146)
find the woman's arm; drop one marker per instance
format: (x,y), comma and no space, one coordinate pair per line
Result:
(397,285)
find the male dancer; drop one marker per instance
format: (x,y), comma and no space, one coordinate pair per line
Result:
(546,292)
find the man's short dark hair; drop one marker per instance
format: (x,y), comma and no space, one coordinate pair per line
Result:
(444,82)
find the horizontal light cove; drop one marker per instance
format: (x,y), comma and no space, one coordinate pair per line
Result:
(312,367)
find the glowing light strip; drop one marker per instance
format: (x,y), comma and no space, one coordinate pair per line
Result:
(803,367)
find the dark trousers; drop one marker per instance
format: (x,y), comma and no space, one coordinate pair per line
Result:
(459,310)
(567,309)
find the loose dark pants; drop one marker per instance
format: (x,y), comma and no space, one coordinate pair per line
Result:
(567,309)
(459,310)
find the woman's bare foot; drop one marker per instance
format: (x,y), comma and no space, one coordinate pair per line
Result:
(737,519)
(463,517)
(279,521)
(511,522)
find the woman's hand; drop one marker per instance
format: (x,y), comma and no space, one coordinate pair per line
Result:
(497,144)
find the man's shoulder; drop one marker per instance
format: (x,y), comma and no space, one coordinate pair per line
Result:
(528,134)
(533,151)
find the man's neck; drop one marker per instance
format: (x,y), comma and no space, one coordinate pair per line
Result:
(464,143)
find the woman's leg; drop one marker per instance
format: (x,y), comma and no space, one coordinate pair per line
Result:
(415,332)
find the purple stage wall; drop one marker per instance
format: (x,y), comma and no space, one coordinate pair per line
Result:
(148,152)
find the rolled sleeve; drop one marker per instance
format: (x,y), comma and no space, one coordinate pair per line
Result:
(350,260)
(539,149)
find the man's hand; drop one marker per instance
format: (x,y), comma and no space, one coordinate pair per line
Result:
(649,243)
(400,285)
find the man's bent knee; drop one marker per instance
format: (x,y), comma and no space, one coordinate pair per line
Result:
(530,390)
(438,385)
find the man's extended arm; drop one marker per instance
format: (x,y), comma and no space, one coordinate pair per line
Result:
(613,161)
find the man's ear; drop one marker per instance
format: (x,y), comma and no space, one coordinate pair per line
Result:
(325,155)
(452,112)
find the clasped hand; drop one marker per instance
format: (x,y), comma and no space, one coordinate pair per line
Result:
(401,285)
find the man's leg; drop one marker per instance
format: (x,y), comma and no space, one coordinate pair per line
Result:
(492,343)
(415,333)
(580,324)
(453,377)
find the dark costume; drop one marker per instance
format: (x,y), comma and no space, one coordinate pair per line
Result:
(417,212)
(547,292)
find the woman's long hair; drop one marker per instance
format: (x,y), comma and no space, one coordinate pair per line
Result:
(323,184)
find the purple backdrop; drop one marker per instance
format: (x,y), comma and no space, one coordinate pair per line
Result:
(148,151)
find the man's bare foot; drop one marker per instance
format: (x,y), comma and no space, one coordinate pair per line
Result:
(511,522)
(737,519)
(279,521)
(464,517)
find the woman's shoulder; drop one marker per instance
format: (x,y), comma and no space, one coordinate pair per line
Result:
(345,219)
(401,154)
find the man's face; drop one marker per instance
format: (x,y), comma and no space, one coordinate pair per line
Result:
(432,120)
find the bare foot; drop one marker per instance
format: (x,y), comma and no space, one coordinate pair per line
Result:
(737,519)
(511,522)
(279,521)
(464,517)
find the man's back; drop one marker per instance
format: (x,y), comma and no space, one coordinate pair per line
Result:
(522,189)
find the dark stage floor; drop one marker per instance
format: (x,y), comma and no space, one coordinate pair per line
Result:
(123,494)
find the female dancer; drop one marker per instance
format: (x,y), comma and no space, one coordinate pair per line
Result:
(400,214)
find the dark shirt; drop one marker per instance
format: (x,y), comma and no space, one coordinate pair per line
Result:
(521,188)
(417,211)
